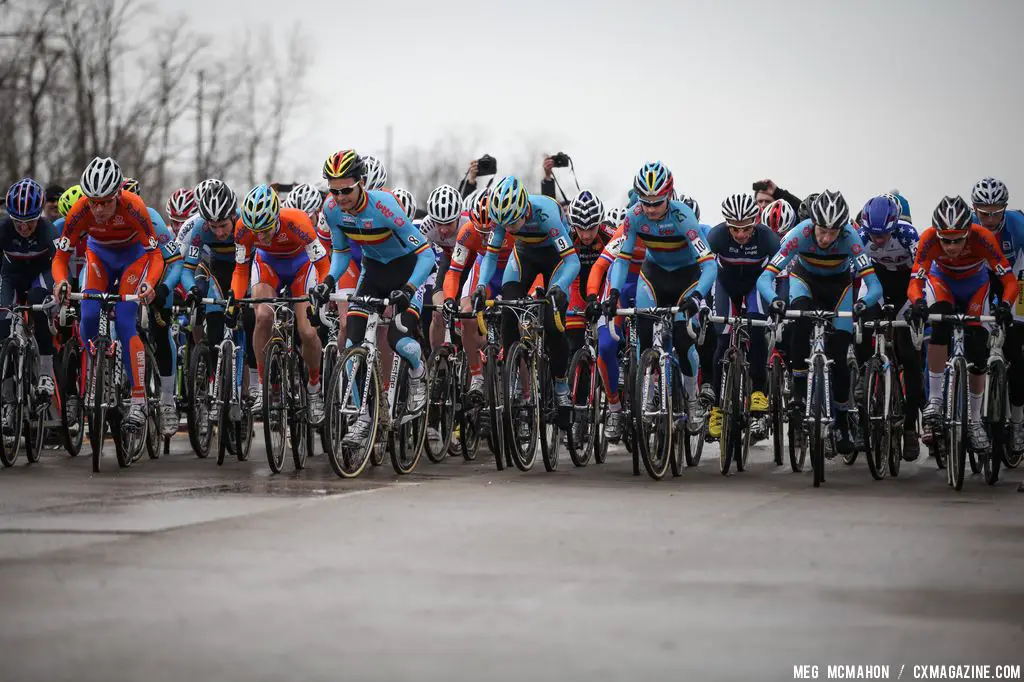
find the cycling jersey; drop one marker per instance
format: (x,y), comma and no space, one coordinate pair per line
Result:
(740,265)
(589,255)
(200,241)
(171,252)
(27,257)
(810,261)
(898,251)
(545,229)
(285,258)
(379,226)
(470,243)
(932,266)
(129,227)
(1011,238)
(673,242)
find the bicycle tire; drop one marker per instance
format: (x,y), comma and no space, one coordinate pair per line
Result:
(816,433)
(655,454)
(995,420)
(128,444)
(495,406)
(275,405)
(301,438)
(197,406)
(877,441)
(776,405)
(348,461)
(897,419)
(155,425)
(10,445)
(742,446)
(224,431)
(856,424)
(330,360)
(524,456)
(581,391)
(468,414)
(441,403)
(601,412)
(730,409)
(680,434)
(1011,458)
(72,406)
(959,412)
(550,444)
(407,438)
(98,432)
(34,409)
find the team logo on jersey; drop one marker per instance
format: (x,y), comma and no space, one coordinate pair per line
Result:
(808,230)
(367,224)
(856,249)
(399,221)
(385,211)
(691,234)
(118,220)
(645,228)
(553,232)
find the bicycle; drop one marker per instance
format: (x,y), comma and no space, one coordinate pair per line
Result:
(529,397)
(448,402)
(285,400)
(23,405)
(108,392)
(154,416)
(809,431)
(735,391)
(355,392)
(488,321)
(780,387)
(882,412)
(331,353)
(226,408)
(657,386)
(952,441)
(70,382)
(589,405)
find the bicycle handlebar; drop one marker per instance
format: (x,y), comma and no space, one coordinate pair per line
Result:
(370,301)
(126,298)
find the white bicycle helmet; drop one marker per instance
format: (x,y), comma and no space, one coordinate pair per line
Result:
(444,204)
(830,211)
(406,200)
(585,211)
(101,178)
(305,198)
(217,202)
(375,176)
(990,192)
(738,208)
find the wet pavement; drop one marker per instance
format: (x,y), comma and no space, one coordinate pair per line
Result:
(178,569)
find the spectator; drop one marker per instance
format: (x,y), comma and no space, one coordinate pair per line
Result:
(771,192)
(468,185)
(50,211)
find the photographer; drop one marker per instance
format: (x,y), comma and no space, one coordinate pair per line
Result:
(485,165)
(766,191)
(548,183)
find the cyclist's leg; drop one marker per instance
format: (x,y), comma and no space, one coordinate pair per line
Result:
(557,340)
(517,272)
(679,285)
(164,349)
(95,280)
(346,285)
(800,298)
(837,347)
(976,350)
(131,279)
(265,282)
(1014,350)
(311,349)
(758,355)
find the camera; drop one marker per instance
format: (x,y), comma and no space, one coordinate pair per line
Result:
(486,165)
(560,160)
(760,186)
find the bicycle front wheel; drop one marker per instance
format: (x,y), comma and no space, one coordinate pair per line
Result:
(98,410)
(653,414)
(224,430)
(300,431)
(495,407)
(35,408)
(522,406)
(345,397)
(330,361)
(275,404)
(776,406)
(408,436)
(958,416)
(197,404)
(549,441)
(582,387)
(995,420)
(13,412)
(731,400)
(816,430)
(155,427)
(441,403)
(71,396)
(878,441)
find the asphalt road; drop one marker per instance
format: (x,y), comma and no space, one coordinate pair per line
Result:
(179,570)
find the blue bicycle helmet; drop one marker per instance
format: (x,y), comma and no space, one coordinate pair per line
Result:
(25,200)
(879,216)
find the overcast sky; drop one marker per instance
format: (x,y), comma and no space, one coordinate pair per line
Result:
(860,96)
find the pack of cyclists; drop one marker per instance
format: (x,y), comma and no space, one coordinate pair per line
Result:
(340,253)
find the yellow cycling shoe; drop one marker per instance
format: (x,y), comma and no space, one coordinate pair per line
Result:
(758,402)
(715,425)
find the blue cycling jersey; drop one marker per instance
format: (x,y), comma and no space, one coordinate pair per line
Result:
(545,227)
(898,251)
(169,248)
(846,253)
(30,256)
(383,232)
(200,236)
(1011,237)
(674,242)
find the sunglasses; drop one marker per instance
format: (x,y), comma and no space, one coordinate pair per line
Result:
(26,223)
(990,214)
(102,202)
(343,191)
(829,229)
(953,240)
(741,228)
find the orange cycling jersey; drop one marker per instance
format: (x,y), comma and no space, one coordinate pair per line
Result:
(981,249)
(470,243)
(608,256)
(130,225)
(295,234)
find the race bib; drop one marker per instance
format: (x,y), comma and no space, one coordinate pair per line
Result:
(193,252)
(315,251)
(460,254)
(562,244)
(240,254)
(862,262)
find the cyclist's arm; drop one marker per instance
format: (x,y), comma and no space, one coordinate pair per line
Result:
(490,262)
(193,252)
(906,235)
(565,273)
(462,257)
(145,235)
(998,263)
(865,271)
(922,262)
(620,268)
(243,263)
(597,273)
(67,243)
(341,252)
(788,250)
(708,265)
(173,262)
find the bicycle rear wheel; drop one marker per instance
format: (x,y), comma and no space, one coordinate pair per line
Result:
(275,404)
(155,427)
(300,431)
(495,407)
(958,416)
(441,402)
(522,406)
(550,444)
(408,436)
(816,434)
(197,405)
(776,406)
(70,394)
(344,398)
(653,414)
(13,407)
(878,442)
(995,420)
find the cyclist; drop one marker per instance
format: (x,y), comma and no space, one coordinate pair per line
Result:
(824,250)
(543,247)
(891,245)
(212,230)
(123,250)
(180,207)
(678,269)
(743,247)
(77,264)
(990,198)
(464,275)
(779,216)
(590,234)
(280,248)
(27,246)
(440,227)
(396,261)
(949,275)
(804,211)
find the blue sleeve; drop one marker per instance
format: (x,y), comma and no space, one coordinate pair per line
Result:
(490,261)
(173,262)
(708,264)
(788,250)
(404,229)
(341,254)
(565,272)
